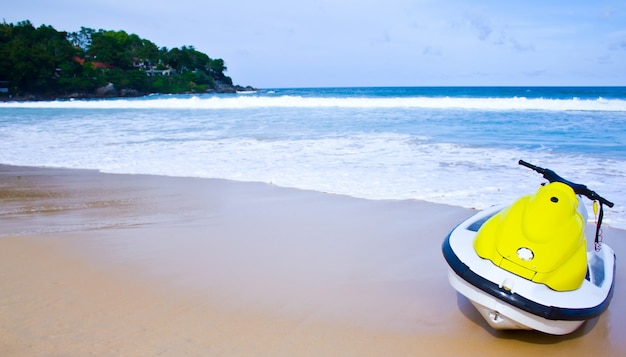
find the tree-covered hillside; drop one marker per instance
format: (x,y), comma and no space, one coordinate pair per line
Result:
(45,63)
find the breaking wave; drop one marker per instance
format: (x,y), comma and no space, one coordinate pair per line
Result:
(212,102)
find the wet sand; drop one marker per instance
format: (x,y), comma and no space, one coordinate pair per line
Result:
(133,265)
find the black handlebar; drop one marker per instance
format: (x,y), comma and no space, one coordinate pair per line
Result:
(578,188)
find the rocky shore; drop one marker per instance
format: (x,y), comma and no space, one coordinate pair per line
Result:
(110,91)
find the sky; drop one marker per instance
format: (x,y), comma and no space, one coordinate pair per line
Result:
(351,43)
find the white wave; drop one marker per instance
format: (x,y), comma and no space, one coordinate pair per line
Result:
(256,101)
(371,166)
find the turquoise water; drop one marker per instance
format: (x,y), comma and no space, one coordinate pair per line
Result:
(451,145)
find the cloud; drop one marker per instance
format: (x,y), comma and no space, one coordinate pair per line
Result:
(486,32)
(617,40)
(519,47)
(480,24)
(384,37)
(604,59)
(619,45)
(607,13)
(431,51)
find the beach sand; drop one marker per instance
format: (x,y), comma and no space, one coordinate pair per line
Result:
(135,265)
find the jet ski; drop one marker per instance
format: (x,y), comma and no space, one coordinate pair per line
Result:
(526,265)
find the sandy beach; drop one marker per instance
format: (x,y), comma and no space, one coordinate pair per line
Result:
(133,265)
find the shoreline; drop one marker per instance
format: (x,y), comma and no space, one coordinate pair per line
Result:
(139,264)
(118,94)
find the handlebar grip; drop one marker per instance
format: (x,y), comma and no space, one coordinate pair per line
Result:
(527,164)
(603,200)
(532,167)
(578,188)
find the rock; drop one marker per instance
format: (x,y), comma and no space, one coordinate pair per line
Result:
(230,88)
(107,91)
(129,93)
(224,88)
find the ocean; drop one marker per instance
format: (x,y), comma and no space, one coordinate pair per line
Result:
(451,145)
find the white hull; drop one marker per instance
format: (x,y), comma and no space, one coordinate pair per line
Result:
(507,301)
(502,316)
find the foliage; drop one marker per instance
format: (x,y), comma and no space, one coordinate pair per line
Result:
(44,61)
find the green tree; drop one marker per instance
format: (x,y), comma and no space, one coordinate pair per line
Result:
(32,57)
(110,47)
(46,61)
(82,38)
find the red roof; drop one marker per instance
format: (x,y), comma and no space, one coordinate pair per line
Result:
(95,64)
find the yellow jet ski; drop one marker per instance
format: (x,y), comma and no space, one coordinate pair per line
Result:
(526,265)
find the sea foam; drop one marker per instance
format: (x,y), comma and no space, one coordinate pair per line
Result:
(254,101)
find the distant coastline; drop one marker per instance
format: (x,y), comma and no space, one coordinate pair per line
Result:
(45,64)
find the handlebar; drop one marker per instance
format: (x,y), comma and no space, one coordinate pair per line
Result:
(578,188)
